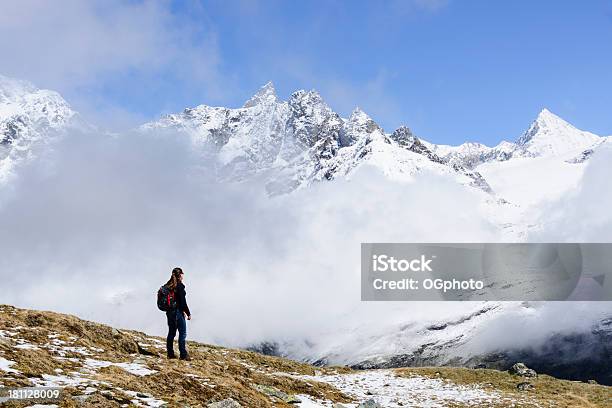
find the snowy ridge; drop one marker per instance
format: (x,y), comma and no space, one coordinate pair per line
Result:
(28,116)
(302,140)
(547,136)
(297,142)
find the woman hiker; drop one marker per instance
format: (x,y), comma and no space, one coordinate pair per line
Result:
(176,317)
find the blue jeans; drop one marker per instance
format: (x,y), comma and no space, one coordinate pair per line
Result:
(176,320)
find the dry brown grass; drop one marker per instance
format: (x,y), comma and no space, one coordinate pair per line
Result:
(215,373)
(548,391)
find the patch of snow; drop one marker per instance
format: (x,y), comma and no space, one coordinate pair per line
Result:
(310,402)
(71,359)
(392,391)
(27,346)
(42,406)
(5,365)
(132,368)
(48,380)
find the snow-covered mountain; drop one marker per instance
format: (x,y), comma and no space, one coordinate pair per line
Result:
(546,161)
(547,136)
(302,140)
(292,144)
(28,116)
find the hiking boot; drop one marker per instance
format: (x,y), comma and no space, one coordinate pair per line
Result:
(171,357)
(185,358)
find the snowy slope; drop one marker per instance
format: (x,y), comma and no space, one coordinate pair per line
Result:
(532,181)
(544,163)
(547,161)
(28,116)
(486,334)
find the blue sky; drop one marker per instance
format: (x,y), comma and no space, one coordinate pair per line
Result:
(451,70)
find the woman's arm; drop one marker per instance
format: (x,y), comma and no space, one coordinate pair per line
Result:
(185,307)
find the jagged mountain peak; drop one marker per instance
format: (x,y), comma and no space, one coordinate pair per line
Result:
(358,125)
(19,98)
(360,118)
(358,113)
(504,144)
(549,134)
(265,94)
(545,122)
(403,136)
(303,96)
(12,88)
(546,114)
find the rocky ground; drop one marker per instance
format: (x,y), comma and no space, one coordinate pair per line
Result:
(97,365)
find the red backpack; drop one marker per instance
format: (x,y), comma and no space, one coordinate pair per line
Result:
(165,299)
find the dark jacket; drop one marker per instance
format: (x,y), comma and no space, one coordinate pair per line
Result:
(181,301)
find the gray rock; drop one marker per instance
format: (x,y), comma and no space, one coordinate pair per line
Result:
(369,404)
(226,403)
(522,370)
(275,392)
(524,386)
(81,399)
(292,399)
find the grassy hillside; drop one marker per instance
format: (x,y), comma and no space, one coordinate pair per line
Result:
(97,365)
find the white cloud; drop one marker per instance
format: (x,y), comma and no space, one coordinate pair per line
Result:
(582,215)
(99,234)
(74,45)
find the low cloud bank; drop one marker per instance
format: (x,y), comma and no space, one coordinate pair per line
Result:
(582,215)
(94,227)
